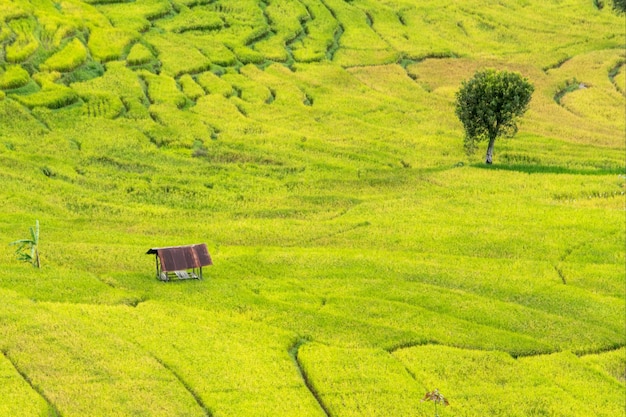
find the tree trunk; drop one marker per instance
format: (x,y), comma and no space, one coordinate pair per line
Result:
(489,158)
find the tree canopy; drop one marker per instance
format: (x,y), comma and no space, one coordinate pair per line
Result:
(489,105)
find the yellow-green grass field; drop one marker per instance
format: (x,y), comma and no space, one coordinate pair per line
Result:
(361,258)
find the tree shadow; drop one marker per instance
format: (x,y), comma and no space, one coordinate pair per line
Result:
(551,169)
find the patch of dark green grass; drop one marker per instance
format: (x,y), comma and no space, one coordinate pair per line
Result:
(551,169)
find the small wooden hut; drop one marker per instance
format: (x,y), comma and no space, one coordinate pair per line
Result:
(181,262)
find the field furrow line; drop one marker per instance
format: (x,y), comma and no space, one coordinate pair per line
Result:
(561,274)
(540,342)
(332,49)
(566,254)
(187,386)
(34,116)
(570,87)
(620,67)
(580,354)
(268,22)
(293,352)
(54,411)
(370,22)
(606,349)
(332,234)
(558,64)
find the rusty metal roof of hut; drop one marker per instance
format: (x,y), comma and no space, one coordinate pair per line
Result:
(176,258)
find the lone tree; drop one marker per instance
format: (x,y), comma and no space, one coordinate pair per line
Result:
(489,104)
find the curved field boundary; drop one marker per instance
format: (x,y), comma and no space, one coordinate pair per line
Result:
(334,46)
(570,87)
(618,69)
(53,410)
(293,352)
(194,394)
(580,354)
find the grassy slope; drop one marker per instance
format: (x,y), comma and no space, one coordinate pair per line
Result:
(361,258)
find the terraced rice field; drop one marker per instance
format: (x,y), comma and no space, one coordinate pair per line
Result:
(361,259)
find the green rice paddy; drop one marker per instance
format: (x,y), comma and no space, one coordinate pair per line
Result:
(361,259)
